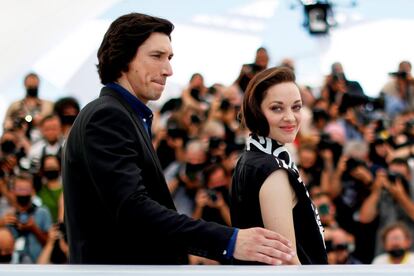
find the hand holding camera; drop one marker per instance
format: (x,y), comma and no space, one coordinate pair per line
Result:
(26,225)
(395,186)
(210,198)
(201,198)
(8,219)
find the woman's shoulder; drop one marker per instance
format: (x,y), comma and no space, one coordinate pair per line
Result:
(259,161)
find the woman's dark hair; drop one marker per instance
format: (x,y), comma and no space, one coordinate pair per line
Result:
(120,43)
(251,113)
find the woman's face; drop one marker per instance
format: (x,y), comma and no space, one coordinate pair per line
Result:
(282,108)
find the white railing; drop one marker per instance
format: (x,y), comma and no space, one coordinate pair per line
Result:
(110,270)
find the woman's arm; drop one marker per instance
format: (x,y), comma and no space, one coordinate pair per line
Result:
(277,200)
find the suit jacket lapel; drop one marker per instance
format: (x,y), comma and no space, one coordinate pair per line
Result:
(137,122)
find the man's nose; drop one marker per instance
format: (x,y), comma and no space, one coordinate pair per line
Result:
(167,70)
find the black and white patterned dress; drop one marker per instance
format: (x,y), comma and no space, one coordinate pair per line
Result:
(261,158)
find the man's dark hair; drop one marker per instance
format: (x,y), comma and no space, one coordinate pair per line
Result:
(120,43)
(401,161)
(63,103)
(397,225)
(23,175)
(49,117)
(251,113)
(30,75)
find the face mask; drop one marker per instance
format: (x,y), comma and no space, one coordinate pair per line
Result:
(8,147)
(32,91)
(24,200)
(51,175)
(5,259)
(396,253)
(68,119)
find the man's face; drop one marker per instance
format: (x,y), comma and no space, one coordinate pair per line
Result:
(148,71)
(31,82)
(51,130)
(262,58)
(396,239)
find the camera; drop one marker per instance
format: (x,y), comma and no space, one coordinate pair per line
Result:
(177,133)
(368,104)
(392,177)
(325,142)
(212,194)
(195,119)
(323,209)
(399,74)
(214,142)
(353,163)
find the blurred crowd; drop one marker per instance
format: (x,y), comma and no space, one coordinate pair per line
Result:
(355,154)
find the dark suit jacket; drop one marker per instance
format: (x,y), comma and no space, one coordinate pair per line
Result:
(118,209)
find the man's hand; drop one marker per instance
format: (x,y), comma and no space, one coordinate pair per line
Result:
(8,219)
(29,226)
(262,245)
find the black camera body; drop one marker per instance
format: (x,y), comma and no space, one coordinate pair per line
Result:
(353,163)
(212,194)
(399,74)
(393,177)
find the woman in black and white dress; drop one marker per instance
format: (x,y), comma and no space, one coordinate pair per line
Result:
(267,190)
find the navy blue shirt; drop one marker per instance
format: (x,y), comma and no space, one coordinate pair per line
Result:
(139,107)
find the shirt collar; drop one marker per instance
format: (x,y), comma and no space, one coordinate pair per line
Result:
(139,107)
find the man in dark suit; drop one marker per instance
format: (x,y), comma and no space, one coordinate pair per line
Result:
(118,208)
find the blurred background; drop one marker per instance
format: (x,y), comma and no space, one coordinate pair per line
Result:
(58,40)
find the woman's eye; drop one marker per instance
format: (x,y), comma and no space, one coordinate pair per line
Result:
(276,108)
(297,107)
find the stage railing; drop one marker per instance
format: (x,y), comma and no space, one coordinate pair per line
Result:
(110,270)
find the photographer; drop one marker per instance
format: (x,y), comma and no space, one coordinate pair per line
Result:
(8,166)
(389,200)
(184,178)
(31,109)
(50,144)
(397,240)
(195,94)
(56,248)
(51,189)
(248,71)
(212,201)
(6,246)
(336,85)
(399,90)
(28,223)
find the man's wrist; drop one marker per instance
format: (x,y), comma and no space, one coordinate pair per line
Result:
(231,245)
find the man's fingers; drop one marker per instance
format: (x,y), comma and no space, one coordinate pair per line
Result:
(274,236)
(278,246)
(265,246)
(263,258)
(274,252)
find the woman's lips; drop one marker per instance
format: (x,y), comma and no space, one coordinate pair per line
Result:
(289,128)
